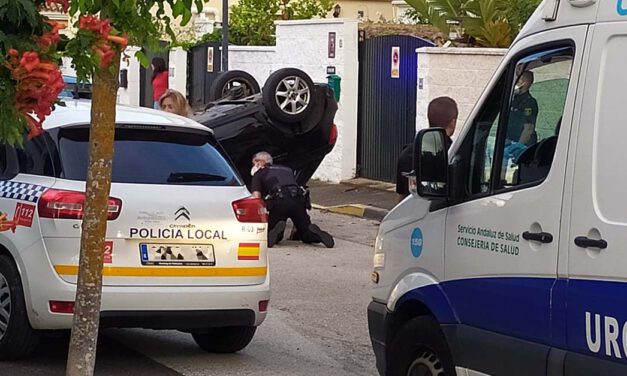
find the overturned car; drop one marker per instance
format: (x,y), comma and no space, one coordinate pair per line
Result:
(292,119)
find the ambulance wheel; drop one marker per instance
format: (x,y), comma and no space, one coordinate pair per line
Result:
(224,340)
(419,348)
(17,338)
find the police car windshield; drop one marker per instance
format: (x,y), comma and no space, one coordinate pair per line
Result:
(152,155)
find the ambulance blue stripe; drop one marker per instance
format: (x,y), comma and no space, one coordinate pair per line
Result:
(541,310)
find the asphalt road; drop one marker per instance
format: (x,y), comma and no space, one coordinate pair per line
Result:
(316,323)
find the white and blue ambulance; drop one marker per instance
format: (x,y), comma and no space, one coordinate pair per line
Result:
(513,261)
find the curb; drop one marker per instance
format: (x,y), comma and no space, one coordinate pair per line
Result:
(355,210)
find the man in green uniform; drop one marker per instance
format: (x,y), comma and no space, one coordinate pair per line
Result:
(523,113)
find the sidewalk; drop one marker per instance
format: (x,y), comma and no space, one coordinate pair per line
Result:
(357,197)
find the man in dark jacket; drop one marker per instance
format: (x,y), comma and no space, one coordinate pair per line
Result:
(442,113)
(285,199)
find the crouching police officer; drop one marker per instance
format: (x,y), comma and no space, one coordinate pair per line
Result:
(285,199)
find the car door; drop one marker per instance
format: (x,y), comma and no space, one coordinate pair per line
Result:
(597,259)
(502,231)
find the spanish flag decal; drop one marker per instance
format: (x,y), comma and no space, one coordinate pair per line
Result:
(248,251)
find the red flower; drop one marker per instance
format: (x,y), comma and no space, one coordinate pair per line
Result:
(94,23)
(13,52)
(105,53)
(121,40)
(51,37)
(30,60)
(34,127)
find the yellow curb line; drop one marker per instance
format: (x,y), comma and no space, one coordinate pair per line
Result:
(355,210)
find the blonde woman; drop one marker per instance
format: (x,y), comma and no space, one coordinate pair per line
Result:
(174,102)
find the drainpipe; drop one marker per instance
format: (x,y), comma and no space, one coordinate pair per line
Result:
(225,35)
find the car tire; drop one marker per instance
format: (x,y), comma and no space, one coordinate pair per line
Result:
(419,348)
(228,80)
(224,340)
(288,95)
(17,337)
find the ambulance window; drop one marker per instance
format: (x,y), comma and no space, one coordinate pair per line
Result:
(533,117)
(482,138)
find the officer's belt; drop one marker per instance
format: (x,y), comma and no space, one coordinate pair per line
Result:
(286,191)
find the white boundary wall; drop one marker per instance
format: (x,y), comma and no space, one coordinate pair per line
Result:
(259,61)
(460,73)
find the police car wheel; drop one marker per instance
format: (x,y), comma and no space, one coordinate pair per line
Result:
(17,338)
(419,348)
(224,340)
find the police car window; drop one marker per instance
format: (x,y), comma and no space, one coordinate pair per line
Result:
(536,105)
(34,157)
(482,138)
(149,156)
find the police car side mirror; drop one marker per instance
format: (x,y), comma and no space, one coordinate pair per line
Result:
(431,163)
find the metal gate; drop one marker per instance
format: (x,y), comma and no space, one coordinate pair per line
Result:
(388,70)
(204,62)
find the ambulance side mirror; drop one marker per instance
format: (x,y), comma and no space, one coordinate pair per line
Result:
(430,164)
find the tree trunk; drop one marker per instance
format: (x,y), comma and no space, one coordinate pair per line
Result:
(82,352)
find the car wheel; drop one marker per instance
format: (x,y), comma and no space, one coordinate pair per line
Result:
(419,348)
(234,84)
(17,338)
(288,95)
(224,340)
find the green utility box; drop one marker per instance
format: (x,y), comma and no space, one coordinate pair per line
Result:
(334,83)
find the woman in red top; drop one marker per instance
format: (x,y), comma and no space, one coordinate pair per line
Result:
(159,80)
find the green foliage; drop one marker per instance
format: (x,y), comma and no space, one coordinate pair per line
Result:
(415,17)
(489,23)
(215,36)
(252,21)
(20,22)
(306,9)
(518,12)
(13,126)
(20,13)
(439,13)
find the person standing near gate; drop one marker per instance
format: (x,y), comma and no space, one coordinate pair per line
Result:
(442,113)
(285,199)
(159,80)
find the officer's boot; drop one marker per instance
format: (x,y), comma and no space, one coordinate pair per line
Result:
(275,233)
(325,237)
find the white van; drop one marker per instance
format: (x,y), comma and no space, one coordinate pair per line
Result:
(515,261)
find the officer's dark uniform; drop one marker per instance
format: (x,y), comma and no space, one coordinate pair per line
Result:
(524,110)
(286,199)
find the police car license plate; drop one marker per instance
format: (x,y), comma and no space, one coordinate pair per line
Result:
(177,254)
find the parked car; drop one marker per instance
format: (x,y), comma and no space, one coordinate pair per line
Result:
(186,243)
(74,89)
(292,119)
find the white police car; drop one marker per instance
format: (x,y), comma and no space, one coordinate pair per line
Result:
(516,263)
(185,245)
